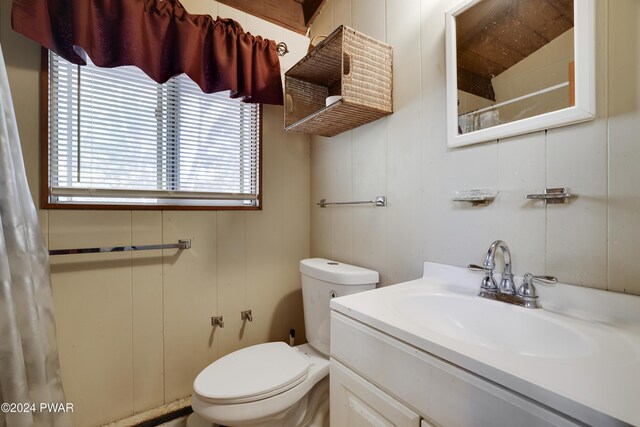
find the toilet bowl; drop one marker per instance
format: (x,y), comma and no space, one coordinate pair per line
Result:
(255,402)
(273,384)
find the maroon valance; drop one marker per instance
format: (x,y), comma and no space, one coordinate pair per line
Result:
(159,37)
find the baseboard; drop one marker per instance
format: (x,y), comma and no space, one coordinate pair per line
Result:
(156,416)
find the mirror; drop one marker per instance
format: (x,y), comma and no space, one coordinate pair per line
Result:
(518,66)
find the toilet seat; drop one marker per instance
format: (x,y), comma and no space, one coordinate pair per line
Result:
(251,374)
(260,411)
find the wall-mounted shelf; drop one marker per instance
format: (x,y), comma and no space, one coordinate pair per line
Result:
(553,196)
(349,64)
(479,197)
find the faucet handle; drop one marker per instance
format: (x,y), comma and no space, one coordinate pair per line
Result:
(528,290)
(544,279)
(488,282)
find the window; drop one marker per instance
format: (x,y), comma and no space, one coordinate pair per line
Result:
(115,137)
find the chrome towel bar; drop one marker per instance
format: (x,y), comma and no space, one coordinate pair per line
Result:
(379,201)
(182,244)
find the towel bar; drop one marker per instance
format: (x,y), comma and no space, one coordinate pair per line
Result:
(182,244)
(379,201)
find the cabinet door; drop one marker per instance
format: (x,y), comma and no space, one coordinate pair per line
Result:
(355,402)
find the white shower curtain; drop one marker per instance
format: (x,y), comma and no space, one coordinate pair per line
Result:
(29,368)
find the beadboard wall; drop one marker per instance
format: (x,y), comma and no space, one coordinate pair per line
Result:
(134,329)
(593,241)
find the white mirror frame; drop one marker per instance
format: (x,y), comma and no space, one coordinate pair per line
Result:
(585,82)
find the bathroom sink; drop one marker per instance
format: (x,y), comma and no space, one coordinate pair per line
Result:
(579,354)
(492,324)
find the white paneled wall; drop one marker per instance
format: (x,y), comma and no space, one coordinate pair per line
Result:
(147,313)
(134,328)
(403,141)
(592,241)
(624,155)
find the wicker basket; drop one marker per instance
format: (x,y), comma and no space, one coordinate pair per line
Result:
(346,63)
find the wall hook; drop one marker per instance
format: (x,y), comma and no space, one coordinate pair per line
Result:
(217,321)
(246,315)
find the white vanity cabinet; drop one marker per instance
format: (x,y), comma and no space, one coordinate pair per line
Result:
(378,380)
(355,402)
(438,350)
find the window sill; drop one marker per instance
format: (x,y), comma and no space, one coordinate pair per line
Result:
(123,207)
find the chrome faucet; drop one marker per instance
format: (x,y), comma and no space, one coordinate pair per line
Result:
(526,295)
(506,282)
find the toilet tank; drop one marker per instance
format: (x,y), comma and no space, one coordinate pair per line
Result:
(323,279)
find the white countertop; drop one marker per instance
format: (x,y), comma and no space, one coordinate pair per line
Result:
(599,385)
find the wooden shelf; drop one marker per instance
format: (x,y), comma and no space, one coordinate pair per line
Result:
(347,63)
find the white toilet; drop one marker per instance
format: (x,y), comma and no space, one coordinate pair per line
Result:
(274,384)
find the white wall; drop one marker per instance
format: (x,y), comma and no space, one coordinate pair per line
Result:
(134,328)
(592,241)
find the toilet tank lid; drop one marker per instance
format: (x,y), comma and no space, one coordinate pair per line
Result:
(337,272)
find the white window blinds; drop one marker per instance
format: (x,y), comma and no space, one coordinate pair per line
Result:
(117,137)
